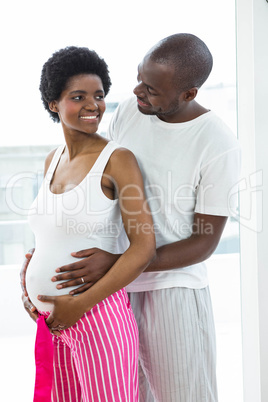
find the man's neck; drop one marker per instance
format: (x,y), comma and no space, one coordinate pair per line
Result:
(191,112)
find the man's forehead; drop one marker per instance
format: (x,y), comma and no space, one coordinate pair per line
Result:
(150,65)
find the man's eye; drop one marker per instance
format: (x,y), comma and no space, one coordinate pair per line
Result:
(149,90)
(100,97)
(78,97)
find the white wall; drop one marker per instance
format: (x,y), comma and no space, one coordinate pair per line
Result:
(252,67)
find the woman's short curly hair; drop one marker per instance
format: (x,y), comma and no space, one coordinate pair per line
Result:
(63,65)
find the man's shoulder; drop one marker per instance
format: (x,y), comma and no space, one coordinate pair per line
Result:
(218,131)
(128,105)
(127,115)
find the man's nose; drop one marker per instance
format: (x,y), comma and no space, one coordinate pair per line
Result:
(139,89)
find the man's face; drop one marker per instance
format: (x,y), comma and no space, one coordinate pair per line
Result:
(156,91)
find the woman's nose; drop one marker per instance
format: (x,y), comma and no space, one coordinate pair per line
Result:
(91,105)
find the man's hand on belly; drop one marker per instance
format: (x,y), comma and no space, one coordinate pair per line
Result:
(93,266)
(29,307)
(23,270)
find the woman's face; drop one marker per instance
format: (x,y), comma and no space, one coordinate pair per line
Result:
(81,104)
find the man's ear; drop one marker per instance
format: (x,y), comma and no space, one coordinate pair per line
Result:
(53,106)
(190,94)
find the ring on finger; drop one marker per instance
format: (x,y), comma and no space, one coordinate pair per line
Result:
(82,280)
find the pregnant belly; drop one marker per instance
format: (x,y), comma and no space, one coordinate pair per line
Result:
(38,278)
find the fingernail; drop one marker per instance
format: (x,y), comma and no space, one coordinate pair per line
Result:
(71,293)
(54,279)
(59,286)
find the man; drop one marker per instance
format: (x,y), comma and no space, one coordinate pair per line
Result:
(190,164)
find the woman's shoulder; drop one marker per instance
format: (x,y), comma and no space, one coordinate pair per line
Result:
(122,155)
(123,164)
(48,160)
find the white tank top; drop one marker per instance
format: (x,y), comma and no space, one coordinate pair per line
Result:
(75,220)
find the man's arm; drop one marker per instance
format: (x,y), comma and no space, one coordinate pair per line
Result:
(207,231)
(197,248)
(95,263)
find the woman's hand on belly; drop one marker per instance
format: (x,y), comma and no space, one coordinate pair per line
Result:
(66,311)
(32,311)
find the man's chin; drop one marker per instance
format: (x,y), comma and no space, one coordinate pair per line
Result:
(145,111)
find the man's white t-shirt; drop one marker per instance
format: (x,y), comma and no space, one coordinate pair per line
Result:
(188,168)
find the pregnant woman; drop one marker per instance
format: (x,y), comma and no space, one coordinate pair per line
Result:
(92,196)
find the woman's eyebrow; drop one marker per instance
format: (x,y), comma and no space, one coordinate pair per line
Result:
(81,91)
(78,91)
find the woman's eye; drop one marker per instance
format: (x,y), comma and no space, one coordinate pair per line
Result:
(78,97)
(100,97)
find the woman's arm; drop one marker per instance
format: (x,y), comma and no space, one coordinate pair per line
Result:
(138,225)
(207,231)
(137,220)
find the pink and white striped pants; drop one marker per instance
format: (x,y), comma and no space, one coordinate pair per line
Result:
(96,360)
